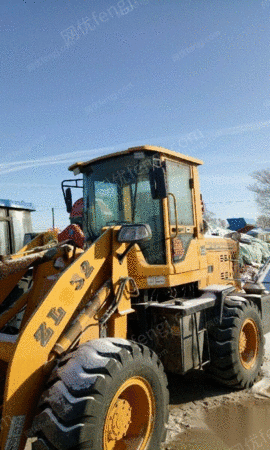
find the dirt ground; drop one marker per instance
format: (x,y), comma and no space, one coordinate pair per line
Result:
(204,416)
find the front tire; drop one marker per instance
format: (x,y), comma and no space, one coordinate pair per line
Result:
(110,394)
(237,345)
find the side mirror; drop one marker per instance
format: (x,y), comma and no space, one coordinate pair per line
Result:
(68,199)
(135,233)
(158,182)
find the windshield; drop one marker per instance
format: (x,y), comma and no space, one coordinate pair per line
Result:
(117,191)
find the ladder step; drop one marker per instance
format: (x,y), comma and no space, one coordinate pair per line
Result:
(187,307)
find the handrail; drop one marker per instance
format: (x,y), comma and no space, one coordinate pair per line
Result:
(176,216)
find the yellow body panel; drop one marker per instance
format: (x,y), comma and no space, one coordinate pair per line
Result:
(222,260)
(193,268)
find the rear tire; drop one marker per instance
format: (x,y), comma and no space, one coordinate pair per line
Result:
(110,394)
(237,345)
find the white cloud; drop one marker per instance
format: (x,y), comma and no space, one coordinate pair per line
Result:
(51,160)
(30,185)
(71,157)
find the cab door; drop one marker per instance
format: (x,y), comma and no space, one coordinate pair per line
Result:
(181,216)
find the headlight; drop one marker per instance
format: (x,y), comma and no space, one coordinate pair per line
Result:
(135,233)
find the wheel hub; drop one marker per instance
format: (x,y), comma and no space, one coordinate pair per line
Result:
(130,418)
(248,343)
(119,420)
(242,342)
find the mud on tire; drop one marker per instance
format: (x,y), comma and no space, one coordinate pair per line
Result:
(237,345)
(73,409)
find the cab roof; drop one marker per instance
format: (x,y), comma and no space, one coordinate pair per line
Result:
(164,151)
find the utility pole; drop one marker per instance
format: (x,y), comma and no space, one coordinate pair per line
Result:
(53,218)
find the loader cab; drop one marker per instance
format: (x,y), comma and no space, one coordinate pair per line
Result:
(118,191)
(143,185)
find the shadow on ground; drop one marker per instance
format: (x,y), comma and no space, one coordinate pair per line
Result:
(194,386)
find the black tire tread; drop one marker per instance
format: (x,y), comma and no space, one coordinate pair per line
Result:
(77,387)
(224,366)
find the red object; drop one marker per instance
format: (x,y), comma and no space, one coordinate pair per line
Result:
(73,232)
(77,208)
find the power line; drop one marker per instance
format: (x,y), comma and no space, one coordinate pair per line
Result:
(229,201)
(40,209)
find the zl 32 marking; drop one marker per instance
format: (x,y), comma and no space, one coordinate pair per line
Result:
(79,280)
(44,333)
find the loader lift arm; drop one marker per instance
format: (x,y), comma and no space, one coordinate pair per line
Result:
(84,291)
(31,356)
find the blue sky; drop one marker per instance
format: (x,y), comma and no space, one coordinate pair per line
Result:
(85,78)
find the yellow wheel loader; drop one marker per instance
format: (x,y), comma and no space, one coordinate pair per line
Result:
(131,289)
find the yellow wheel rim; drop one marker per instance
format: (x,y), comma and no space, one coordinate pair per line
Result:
(130,418)
(248,343)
